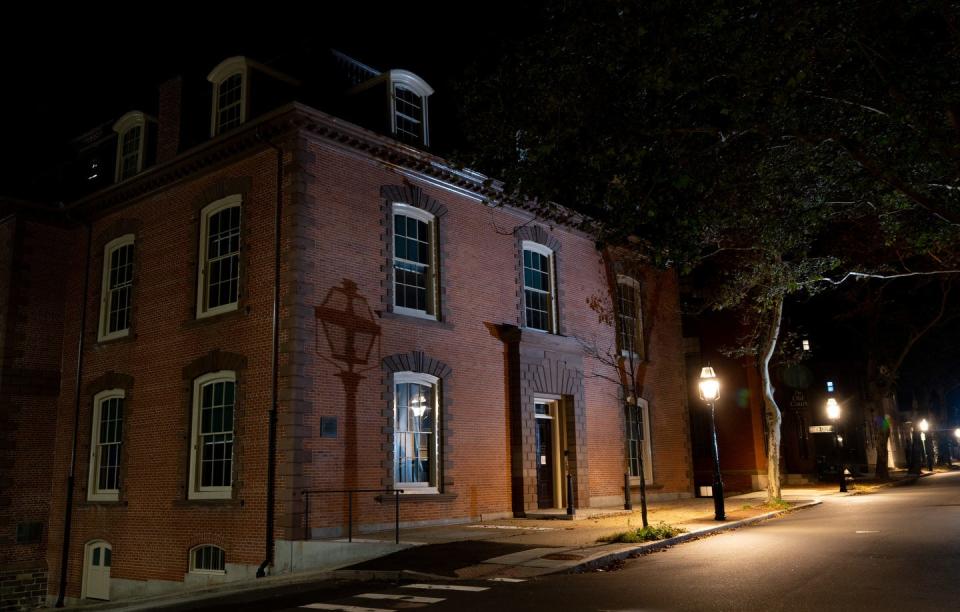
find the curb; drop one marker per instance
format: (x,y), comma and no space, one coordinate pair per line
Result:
(622,554)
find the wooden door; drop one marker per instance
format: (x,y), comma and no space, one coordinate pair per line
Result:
(97,570)
(545,463)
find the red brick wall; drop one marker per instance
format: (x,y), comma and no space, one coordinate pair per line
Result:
(153,526)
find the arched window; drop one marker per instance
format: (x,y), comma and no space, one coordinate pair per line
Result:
(416,447)
(539,287)
(629,318)
(229,81)
(131,132)
(211,451)
(207,559)
(408,102)
(116,288)
(106,440)
(219,274)
(414,261)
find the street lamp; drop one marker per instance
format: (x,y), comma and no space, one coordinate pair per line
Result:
(709,392)
(928,457)
(956,434)
(833,413)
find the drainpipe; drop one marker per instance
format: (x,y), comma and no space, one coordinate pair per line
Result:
(274,366)
(71,476)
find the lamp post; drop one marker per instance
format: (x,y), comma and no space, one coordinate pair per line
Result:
(927,457)
(709,392)
(833,413)
(956,444)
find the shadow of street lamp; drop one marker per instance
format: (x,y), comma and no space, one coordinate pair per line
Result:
(350,330)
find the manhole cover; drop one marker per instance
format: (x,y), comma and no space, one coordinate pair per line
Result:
(562,557)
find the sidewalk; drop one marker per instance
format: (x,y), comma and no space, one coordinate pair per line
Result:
(525,548)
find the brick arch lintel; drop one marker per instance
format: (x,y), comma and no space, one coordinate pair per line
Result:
(535,233)
(416,361)
(109,380)
(414,196)
(214,361)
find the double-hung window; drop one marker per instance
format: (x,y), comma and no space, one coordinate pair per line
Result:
(229,103)
(131,132)
(106,442)
(416,442)
(638,440)
(408,104)
(211,452)
(414,262)
(219,274)
(539,287)
(117,288)
(629,319)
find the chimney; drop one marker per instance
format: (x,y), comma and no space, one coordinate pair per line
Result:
(168,117)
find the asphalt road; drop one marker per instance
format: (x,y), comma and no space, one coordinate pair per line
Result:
(898,549)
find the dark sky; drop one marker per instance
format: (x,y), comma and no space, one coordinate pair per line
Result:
(68,75)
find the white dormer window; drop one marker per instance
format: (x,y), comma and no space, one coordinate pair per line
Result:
(229,80)
(131,132)
(408,107)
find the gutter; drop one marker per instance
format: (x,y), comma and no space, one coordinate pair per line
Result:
(71,476)
(274,367)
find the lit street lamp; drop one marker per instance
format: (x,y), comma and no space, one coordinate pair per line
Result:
(833,413)
(928,457)
(709,392)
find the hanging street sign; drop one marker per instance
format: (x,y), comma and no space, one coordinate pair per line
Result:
(821,429)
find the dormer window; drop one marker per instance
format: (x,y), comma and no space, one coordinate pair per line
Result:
(229,94)
(408,105)
(131,132)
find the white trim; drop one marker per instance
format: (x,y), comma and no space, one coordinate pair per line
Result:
(433,291)
(87,562)
(415,85)
(221,72)
(411,81)
(420,378)
(205,214)
(192,561)
(108,249)
(124,124)
(93,494)
(536,247)
(195,491)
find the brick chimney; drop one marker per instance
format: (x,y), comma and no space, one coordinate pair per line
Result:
(168,118)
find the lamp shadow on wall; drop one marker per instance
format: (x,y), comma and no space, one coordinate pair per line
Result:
(347,332)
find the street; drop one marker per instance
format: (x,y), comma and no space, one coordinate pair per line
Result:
(893,550)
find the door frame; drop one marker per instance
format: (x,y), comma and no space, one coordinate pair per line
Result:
(559,445)
(87,563)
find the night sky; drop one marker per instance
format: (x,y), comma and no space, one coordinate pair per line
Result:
(65,77)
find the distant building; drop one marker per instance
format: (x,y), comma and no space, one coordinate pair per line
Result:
(245,298)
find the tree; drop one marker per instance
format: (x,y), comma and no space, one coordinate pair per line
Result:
(745,136)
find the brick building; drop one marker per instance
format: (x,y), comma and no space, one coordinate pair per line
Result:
(248,297)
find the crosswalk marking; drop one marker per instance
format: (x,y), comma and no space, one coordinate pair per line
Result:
(400,597)
(502,579)
(446,587)
(343,608)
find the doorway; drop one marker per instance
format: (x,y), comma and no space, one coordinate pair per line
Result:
(96,570)
(549,447)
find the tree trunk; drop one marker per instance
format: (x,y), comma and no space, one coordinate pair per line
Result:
(882,471)
(770,404)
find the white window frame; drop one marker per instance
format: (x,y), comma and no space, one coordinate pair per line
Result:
(223,71)
(124,124)
(108,249)
(93,493)
(433,487)
(643,408)
(432,290)
(536,247)
(637,315)
(207,212)
(418,86)
(196,570)
(196,491)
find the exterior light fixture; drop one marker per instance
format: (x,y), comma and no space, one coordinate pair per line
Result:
(709,392)
(805,344)
(829,386)
(833,413)
(924,426)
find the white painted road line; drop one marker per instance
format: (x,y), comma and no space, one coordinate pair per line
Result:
(507,579)
(446,587)
(400,597)
(342,608)
(866,531)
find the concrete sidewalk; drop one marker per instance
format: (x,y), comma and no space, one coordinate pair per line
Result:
(524,548)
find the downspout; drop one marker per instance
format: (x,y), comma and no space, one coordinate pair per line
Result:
(71,476)
(274,367)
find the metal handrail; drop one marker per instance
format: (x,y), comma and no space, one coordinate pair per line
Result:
(306,514)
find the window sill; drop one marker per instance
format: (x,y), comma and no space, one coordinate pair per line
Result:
(112,340)
(416,319)
(212,319)
(417,497)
